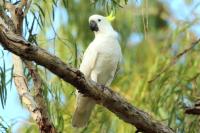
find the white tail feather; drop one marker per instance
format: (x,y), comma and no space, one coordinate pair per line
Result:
(83,111)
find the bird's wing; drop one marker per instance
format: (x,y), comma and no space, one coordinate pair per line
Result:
(88,62)
(119,65)
(84,105)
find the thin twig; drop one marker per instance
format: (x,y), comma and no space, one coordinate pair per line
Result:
(174,60)
(194,77)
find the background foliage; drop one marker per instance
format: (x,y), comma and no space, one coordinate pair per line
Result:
(150,37)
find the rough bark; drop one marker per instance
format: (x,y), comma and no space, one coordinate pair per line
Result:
(43,120)
(27,98)
(103,95)
(194,110)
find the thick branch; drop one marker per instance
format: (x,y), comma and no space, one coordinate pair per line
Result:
(43,121)
(194,110)
(103,95)
(22,88)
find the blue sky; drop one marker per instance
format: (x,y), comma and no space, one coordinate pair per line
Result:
(15,113)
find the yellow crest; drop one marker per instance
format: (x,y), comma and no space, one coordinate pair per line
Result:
(111,16)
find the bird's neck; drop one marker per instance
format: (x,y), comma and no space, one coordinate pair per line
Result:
(110,33)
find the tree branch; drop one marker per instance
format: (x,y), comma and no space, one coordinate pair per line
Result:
(36,104)
(194,110)
(174,60)
(44,122)
(103,95)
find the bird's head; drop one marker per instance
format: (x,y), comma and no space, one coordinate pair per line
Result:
(100,24)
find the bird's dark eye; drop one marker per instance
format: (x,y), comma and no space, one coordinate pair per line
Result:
(99,20)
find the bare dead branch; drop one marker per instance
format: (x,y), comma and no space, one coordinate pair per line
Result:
(27,98)
(103,95)
(44,122)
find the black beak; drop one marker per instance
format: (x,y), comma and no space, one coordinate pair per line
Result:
(93,26)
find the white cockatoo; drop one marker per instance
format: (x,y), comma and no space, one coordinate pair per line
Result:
(100,63)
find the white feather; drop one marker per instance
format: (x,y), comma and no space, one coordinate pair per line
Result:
(99,64)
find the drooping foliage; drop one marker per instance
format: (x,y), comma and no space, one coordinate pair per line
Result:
(152,79)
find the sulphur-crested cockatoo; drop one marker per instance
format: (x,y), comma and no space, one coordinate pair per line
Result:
(100,63)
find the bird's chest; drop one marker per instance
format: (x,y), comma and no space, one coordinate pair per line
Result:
(107,55)
(106,62)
